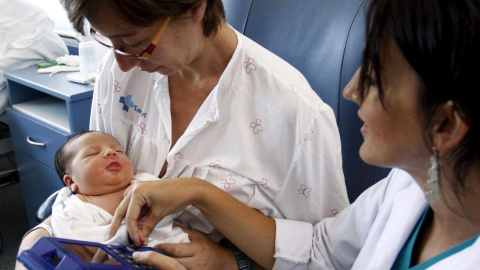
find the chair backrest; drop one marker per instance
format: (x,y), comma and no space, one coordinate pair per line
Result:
(324,40)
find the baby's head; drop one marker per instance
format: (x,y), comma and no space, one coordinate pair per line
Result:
(93,163)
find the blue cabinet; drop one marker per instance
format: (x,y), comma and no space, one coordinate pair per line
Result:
(46,111)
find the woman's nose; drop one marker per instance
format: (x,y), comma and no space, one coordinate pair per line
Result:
(110,152)
(125,63)
(351,91)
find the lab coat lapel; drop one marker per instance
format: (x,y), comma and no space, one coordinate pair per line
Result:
(465,259)
(408,206)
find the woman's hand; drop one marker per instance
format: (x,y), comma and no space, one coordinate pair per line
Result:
(153,200)
(236,221)
(156,259)
(201,253)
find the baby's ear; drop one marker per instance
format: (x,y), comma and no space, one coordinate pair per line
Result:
(68,180)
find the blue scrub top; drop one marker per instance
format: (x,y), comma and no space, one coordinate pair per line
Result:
(404,258)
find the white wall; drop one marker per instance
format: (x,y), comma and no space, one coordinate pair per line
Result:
(56,12)
(59,16)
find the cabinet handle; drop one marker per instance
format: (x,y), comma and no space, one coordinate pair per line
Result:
(30,141)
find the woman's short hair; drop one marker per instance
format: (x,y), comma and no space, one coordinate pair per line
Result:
(144,13)
(441,42)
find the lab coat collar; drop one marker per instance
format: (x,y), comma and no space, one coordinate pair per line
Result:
(408,207)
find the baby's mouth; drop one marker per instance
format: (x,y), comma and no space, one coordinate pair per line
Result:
(114,166)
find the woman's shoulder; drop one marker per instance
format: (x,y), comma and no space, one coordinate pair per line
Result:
(262,75)
(256,58)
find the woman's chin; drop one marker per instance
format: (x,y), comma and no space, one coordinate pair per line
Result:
(163,70)
(367,155)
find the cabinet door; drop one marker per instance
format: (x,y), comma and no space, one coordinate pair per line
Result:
(38,182)
(27,132)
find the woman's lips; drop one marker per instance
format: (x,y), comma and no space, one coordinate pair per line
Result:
(114,166)
(364,128)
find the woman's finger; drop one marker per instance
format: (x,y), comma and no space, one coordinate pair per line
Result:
(132,216)
(159,260)
(118,216)
(178,250)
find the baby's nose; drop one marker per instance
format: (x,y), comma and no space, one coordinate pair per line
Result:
(110,152)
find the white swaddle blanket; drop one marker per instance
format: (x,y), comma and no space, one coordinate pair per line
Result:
(75,219)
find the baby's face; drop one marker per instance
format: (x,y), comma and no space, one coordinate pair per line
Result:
(98,165)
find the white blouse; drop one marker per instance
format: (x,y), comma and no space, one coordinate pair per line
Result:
(262,135)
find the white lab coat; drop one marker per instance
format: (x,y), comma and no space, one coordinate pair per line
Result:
(369,234)
(262,135)
(26,37)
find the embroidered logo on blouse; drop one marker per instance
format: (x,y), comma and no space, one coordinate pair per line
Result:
(333,213)
(293,89)
(116,87)
(304,190)
(128,103)
(228,181)
(216,164)
(263,183)
(142,128)
(256,126)
(249,65)
(308,135)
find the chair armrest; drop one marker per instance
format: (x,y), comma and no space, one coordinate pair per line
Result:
(45,210)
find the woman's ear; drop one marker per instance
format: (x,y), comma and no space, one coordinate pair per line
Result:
(449,128)
(68,180)
(198,11)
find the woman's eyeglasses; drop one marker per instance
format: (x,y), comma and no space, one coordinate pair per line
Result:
(142,55)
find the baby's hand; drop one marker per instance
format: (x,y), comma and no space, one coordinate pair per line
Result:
(141,236)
